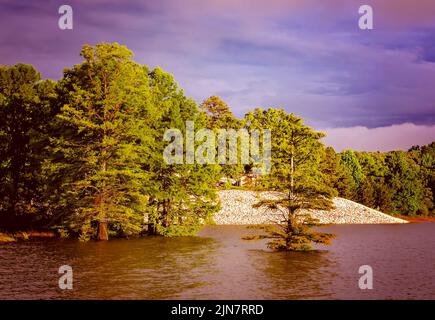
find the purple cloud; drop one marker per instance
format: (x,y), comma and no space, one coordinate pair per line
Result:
(308,57)
(395,137)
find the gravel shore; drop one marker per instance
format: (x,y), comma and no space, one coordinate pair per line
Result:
(237,210)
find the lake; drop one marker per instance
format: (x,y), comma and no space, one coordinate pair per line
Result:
(219,265)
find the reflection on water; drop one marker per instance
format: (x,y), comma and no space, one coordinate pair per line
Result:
(402,258)
(219,265)
(293,275)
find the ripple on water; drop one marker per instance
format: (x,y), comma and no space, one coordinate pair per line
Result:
(219,265)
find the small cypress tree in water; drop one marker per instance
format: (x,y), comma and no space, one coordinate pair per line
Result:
(296,152)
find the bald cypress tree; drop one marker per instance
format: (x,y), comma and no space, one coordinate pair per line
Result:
(181,195)
(295,171)
(101,143)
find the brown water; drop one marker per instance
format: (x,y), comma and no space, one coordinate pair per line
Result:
(219,265)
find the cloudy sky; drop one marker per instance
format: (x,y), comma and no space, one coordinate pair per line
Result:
(368,89)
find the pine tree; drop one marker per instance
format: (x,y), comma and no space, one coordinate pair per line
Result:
(295,170)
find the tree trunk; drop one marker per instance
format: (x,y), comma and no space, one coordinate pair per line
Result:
(102,221)
(289,233)
(102,231)
(152,230)
(166,213)
(292,173)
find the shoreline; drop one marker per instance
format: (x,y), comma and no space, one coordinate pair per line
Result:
(237,210)
(7,237)
(417,219)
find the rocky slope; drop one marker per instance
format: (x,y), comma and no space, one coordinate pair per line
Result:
(237,209)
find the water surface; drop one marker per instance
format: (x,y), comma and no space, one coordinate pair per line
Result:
(219,265)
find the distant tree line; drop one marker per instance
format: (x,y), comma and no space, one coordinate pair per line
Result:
(84,155)
(395,182)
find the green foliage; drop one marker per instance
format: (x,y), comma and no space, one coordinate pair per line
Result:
(404,178)
(335,173)
(393,182)
(25,111)
(296,170)
(367,192)
(299,236)
(182,197)
(101,142)
(5,238)
(383,195)
(217,115)
(84,155)
(353,169)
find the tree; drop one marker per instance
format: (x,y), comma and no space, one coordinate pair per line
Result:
(424,157)
(295,170)
(367,192)
(405,181)
(181,195)
(101,144)
(25,114)
(218,116)
(336,175)
(383,196)
(350,162)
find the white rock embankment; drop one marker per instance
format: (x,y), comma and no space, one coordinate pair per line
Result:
(237,209)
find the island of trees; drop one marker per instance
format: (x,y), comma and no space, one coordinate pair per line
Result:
(83,156)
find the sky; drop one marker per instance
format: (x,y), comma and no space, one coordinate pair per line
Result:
(369,90)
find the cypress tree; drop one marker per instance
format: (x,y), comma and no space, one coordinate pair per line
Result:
(182,195)
(101,144)
(295,171)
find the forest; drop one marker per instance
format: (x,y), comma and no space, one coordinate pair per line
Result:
(83,155)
